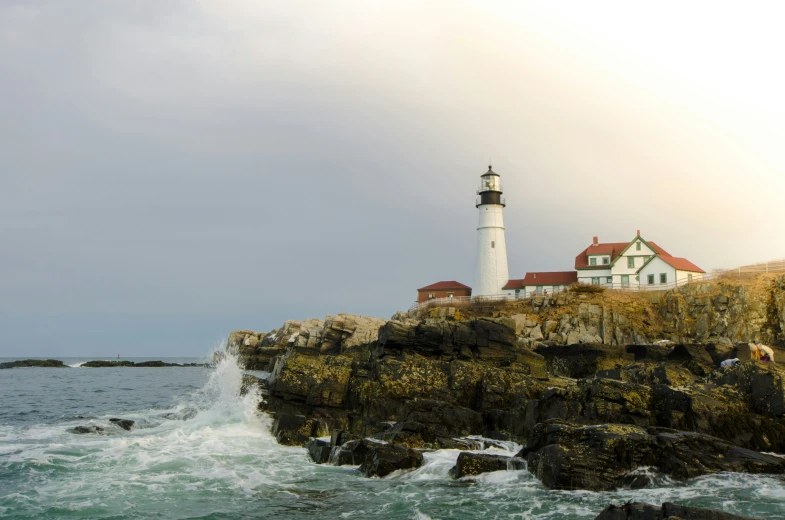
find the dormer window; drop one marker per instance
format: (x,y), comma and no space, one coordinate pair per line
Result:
(606,260)
(593,260)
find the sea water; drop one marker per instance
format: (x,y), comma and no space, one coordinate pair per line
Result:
(202,450)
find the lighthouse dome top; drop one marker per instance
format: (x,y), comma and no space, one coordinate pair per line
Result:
(490,172)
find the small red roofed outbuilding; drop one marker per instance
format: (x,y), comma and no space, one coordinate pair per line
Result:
(446,289)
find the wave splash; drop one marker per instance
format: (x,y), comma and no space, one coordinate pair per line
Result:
(214,441)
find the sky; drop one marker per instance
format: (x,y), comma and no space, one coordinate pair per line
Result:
(174,170)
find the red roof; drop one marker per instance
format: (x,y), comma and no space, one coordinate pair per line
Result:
(681,264)
(552,278)
(443,286)
(613,249)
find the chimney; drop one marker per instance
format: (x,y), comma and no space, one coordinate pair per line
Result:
(639,232)
(535,275)
(596,241)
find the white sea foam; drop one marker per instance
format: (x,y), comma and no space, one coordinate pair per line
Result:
(212,452)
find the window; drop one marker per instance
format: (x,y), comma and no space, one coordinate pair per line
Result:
(631,262)
(595,281)
(593,260)
(625,280)
(430,296)
(539,289)
(450,295)
(689,277)
(517,293)
(637,278)
(609,279)
(663,278)
(606,260)
(651,279)
(493,243)
(637,246)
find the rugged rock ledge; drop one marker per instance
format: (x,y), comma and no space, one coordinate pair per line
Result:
(426,382)
(668,511)
(604,457)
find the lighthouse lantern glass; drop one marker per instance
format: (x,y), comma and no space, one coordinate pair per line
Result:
(491,183)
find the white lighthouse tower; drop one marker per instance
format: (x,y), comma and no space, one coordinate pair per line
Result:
(490,269)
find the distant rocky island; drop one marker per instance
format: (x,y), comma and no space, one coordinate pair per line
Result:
(56,363)
(594,384)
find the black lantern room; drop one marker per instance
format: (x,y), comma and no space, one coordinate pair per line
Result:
(490,191)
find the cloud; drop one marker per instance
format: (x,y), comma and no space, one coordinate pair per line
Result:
(289,160)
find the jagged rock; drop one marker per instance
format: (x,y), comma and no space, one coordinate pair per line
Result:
(87,429)
(471,464)
(668,511)
(340,437)
(318,450)
(563,456)
(295,430)
(584,360)
(760,382)
(352,453)
(383,459)
(125,424)
(738,312)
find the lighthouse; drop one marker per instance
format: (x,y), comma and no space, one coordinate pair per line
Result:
(490,268)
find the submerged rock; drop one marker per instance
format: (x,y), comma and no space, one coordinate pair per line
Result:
(668,511)
(383,459)
(471,464)
(125,424)
(186,413)
(86,429)
(563,456)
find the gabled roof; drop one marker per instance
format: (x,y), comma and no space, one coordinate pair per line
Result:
(550,278)
(443,286)
(680,264)
(612,249)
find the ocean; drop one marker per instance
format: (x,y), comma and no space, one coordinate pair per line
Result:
(201,450)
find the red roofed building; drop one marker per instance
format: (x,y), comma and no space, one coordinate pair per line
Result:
(633,264)
(540,283)
(448,289)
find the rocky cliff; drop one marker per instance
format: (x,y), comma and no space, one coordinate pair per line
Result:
(727,311)
(577,359)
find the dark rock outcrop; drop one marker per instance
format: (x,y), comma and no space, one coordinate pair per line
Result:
(383,459)
(318,450)
(140,364)
(295,430)
(125,424)
(668,511)
(471,464)
(87,429)
(34,363)
(564,456)
(352,453)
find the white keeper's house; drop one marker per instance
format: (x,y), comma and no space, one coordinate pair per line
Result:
(637,263)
